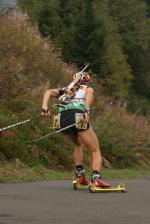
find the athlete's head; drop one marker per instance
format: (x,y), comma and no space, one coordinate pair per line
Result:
(85,77)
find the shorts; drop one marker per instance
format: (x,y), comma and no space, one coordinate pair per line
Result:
(69,117)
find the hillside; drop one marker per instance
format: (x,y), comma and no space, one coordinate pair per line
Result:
(30,64)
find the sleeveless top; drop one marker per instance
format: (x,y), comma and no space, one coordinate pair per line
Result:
(75,102)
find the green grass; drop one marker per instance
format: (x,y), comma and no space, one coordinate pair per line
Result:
(18,171)
(131,173)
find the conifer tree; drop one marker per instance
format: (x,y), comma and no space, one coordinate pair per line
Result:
(112,36)
(114,67)
(79,37)
(47,14)
(133,24)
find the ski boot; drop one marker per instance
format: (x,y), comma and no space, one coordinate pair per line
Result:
(97,185)
(81,181)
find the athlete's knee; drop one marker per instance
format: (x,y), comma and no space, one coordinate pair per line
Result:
(78,144)
(94,149)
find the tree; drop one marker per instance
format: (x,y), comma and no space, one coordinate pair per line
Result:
(133,25)
(79,37)
(47,14)
(114,67)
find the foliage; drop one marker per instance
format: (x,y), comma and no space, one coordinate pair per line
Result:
(139,105)
(114,68)
(24,52)
(113,36)
(124,137)
(133,25)
(30,63)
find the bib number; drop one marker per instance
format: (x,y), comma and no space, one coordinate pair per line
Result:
(56,121)
(80,123)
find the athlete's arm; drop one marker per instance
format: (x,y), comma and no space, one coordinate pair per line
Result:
(89,97)
(88,102)
(47,95)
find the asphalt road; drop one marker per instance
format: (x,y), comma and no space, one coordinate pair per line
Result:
(55,202)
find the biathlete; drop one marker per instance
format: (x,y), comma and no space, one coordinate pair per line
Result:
(74,107)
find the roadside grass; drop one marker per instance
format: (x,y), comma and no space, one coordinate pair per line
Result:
(131,173)
(18,172)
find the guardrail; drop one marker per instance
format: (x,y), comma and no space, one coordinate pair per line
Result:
(7,6)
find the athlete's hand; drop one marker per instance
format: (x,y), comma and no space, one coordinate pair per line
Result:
(77,77)
(46,112)
(86,117)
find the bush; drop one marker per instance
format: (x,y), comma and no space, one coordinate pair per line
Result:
(121,134)
(139,105)
(29,64)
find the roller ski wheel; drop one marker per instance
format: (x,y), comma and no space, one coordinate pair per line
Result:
(78,186)
(124,190)
(118,188)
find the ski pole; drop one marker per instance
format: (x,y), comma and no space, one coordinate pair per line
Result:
(84,68)
(82,71)
(52,133)
(19,123)
(79,76)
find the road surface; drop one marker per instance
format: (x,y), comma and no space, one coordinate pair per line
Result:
(55,202)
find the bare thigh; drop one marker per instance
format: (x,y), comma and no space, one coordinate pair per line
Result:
(89,139)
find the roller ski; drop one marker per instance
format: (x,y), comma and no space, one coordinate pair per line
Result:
(81,183)
(97,185)
(117,188)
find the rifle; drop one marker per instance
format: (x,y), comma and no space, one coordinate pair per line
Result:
(69,89)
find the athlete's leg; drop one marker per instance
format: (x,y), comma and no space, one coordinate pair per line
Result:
(78,149)
(78,159)
(90,140)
